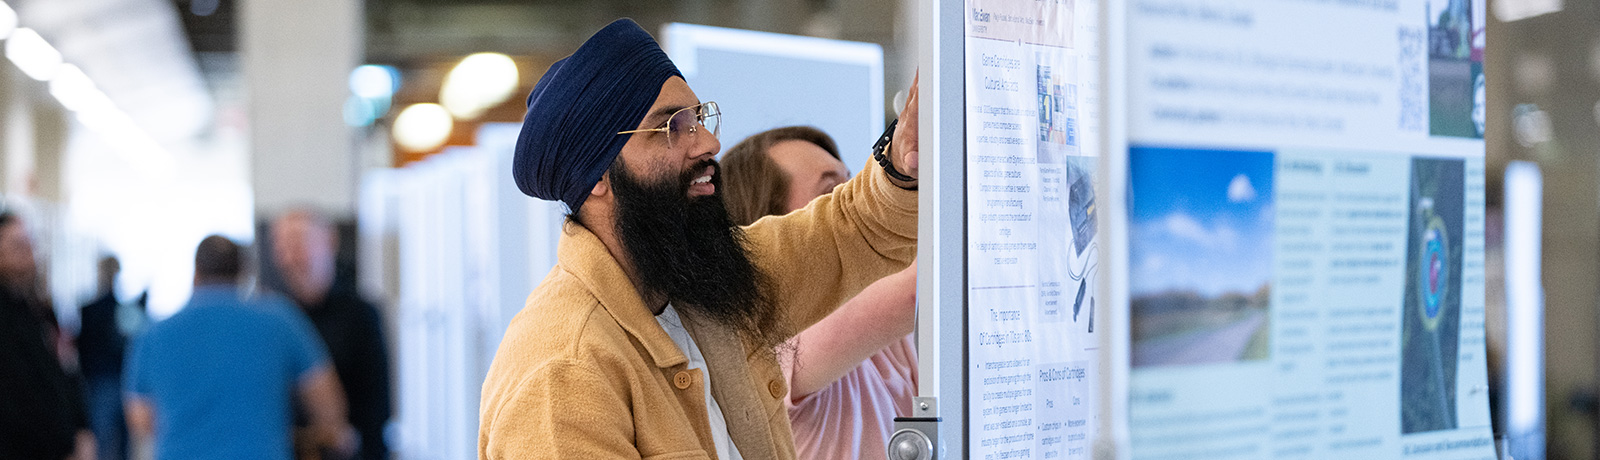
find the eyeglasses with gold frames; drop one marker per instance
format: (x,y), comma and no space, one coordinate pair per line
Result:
(685,123)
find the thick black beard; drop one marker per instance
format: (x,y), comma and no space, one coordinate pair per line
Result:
(689,250)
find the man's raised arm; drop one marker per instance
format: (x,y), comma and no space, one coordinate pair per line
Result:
(825,253)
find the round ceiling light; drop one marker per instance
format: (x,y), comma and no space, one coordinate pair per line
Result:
(480,82)
(422,127)
(374,81)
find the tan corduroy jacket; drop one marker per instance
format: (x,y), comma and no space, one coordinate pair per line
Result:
(586,372)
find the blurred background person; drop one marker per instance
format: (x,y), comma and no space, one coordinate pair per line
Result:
(853,372)
(41,403)
(20,282)
(216,380)
(105,328)
(303,245)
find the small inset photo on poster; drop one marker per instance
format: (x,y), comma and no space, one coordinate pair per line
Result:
(1455,68)
(1057,89)
(1081,211)
(1431,321)
(1201,251)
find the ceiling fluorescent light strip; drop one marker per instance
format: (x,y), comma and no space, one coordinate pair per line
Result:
(77,93)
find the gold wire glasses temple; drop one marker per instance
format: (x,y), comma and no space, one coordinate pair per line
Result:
(687,120)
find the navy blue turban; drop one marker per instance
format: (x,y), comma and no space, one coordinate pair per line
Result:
(569,136)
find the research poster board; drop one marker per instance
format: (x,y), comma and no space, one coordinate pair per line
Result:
(1306,229)
(1032,156)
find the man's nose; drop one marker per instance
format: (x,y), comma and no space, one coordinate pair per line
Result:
(706,145)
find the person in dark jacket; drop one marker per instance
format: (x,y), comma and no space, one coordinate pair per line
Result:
(41,405)
(106,328)
(303,246)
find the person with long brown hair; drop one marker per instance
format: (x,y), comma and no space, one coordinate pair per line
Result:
(759,186)
(853,372)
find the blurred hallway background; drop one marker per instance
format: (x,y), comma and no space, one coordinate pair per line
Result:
(135,128)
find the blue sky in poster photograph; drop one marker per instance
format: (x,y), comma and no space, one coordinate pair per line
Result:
(1200,220)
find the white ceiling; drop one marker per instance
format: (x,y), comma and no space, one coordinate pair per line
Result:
(136,52)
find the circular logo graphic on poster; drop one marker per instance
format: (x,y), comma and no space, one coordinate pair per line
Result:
(1434,277)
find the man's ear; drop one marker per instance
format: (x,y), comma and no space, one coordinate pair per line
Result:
(603,187)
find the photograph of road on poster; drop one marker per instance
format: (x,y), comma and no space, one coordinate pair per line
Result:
(1201,228)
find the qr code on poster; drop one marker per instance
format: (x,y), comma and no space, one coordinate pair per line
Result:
(1413,81)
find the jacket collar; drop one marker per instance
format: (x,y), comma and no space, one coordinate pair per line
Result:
(582,254)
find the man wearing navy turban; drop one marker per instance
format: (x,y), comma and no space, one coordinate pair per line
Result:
(653,336)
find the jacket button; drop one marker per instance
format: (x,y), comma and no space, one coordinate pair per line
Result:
(682,380)
(776,388)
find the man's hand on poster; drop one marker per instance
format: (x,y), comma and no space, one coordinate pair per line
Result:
(904,154)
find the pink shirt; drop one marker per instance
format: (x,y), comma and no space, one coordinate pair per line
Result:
(853,417)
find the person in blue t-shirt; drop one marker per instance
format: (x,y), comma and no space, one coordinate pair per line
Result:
(217,379)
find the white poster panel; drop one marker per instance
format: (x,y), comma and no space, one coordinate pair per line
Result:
(1031,161)
(1306,229)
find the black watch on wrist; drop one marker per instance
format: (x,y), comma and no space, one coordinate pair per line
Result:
(883,158)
